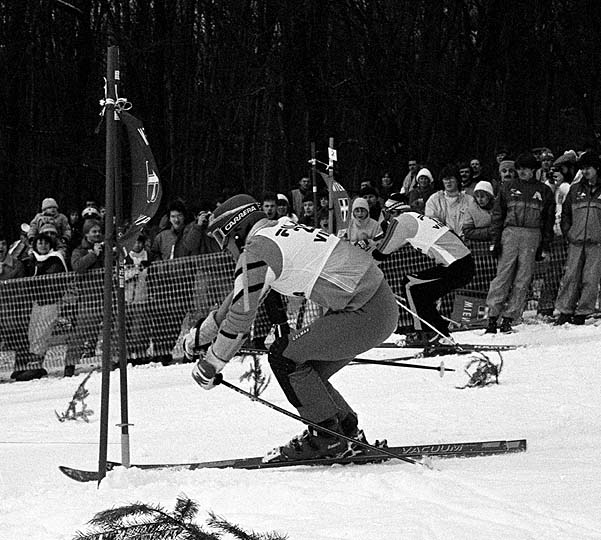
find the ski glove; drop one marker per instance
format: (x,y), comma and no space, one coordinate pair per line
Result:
(200,336)
(206,369)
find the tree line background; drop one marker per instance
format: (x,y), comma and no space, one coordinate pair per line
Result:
(232,92)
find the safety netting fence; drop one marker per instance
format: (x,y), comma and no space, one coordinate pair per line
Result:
(58,318)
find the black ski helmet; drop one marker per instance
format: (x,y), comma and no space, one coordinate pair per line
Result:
(234,219)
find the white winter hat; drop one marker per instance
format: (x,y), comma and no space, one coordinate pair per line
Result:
(282,197)
(483,185)
(360,202)
(425,172)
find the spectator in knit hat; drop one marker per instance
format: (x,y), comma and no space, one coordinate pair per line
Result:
(423,190)
(507,170)
(478,215)
(362,229)
(522,230)
(50,214)
(581,226)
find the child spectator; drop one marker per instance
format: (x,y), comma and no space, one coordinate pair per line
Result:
(50,214)
(362,228)
(478,215)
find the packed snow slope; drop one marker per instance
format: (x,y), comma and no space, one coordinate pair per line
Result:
(549,393)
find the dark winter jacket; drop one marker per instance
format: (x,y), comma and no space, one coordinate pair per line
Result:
(529,205)
(477,223)
(45,291)
(418,197)
(581,214)
(171,244)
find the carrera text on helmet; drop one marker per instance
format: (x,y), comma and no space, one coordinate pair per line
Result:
(236,219)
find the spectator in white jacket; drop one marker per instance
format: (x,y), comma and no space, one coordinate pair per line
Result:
(362,228)
(478,216)
(449,205)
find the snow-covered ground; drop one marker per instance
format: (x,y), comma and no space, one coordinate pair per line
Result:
(549,394)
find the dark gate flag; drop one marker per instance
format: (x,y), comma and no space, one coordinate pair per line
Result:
(146,186)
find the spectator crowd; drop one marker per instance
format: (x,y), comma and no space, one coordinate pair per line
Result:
(516,206)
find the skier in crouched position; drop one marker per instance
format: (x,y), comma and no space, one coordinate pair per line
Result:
(454,268)
(296,260)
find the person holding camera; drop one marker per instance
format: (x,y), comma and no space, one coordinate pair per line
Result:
(85,259)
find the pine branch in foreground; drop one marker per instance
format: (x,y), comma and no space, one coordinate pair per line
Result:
(237,532)
(139,521)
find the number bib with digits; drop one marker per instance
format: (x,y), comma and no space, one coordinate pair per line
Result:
(305,251)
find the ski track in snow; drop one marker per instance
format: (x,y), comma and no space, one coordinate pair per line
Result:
(549,394)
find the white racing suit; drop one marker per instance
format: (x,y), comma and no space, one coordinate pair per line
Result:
(454,264)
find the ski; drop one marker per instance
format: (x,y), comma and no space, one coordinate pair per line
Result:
(440,450)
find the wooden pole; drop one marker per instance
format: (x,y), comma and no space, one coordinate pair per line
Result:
(112,66)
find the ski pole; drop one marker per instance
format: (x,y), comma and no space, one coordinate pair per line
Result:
(384,362)
(219,380)
(401,303)
(390,362)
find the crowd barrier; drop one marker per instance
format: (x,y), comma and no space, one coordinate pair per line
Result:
(59,317)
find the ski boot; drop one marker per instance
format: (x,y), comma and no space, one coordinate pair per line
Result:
(310,444)
(492,326)
(563,319)
(505,327)
(578,319)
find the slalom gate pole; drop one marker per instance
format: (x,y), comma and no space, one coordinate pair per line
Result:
(401,303)
(219,380)
(109,117)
